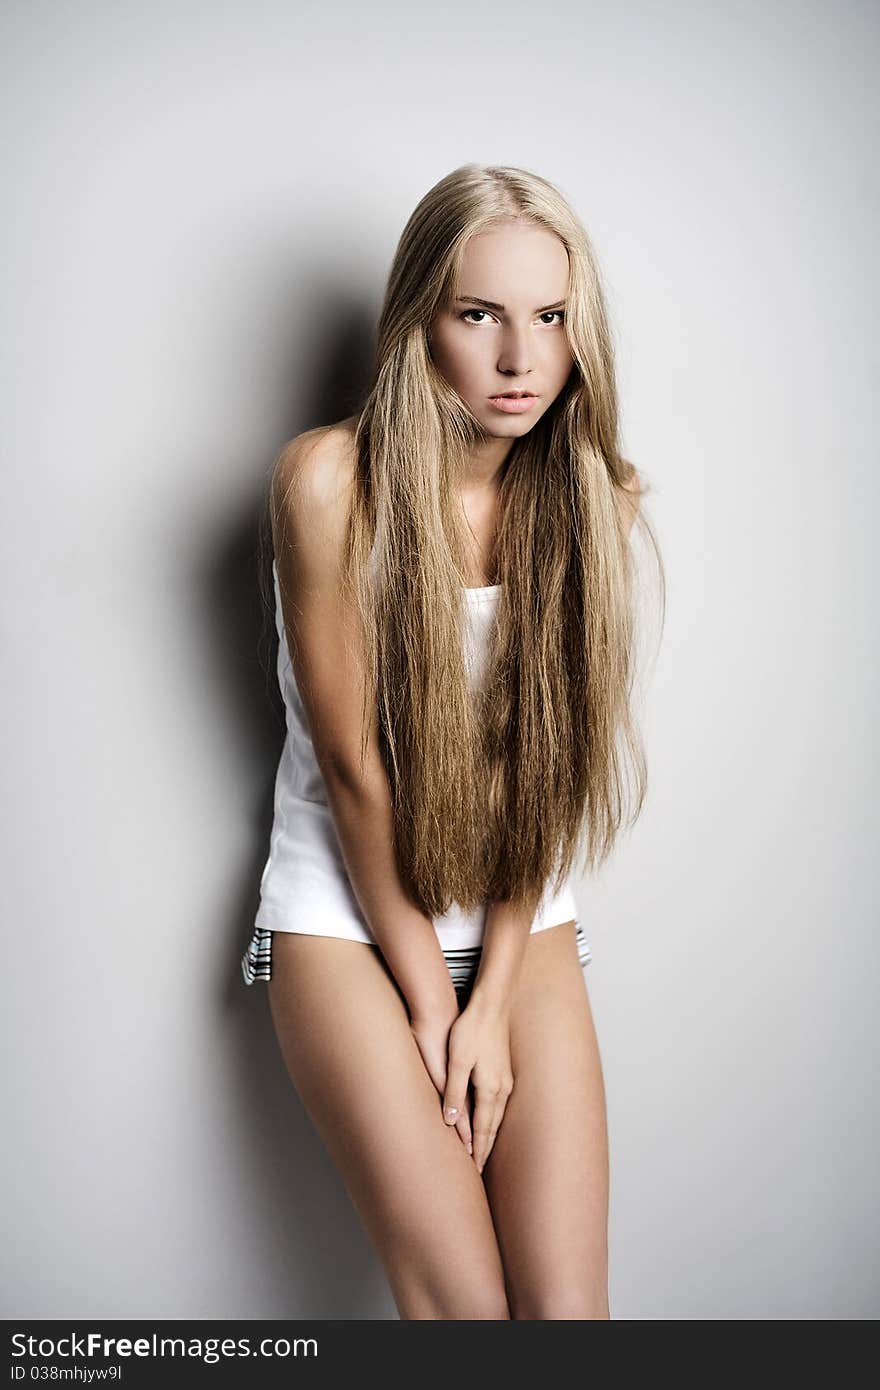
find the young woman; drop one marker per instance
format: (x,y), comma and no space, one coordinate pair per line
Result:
(454,607)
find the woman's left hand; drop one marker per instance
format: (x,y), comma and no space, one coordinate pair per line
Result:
(479,1049)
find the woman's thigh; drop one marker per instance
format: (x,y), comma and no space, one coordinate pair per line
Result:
(344,1033)
(547,1174)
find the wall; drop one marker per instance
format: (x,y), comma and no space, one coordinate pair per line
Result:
(202,202)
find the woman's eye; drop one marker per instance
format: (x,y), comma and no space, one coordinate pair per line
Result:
(551,313)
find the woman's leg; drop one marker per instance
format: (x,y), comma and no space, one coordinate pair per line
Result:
(547,1175)
(345,1037)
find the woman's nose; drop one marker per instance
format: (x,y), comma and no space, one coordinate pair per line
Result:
(515,355)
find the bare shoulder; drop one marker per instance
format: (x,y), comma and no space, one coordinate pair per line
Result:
(318,461)
(311,484)
(629,494)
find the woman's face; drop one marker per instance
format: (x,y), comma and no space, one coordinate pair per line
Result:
(505,333)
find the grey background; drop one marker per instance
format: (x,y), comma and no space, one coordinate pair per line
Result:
(201,204)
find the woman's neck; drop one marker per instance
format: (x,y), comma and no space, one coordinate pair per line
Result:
(484,467)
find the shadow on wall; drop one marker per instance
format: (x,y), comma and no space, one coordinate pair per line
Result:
(314,1260)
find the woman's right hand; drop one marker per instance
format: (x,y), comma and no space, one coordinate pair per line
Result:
(431,1033)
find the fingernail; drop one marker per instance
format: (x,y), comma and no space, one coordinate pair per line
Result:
(470,1148)
(452,1112)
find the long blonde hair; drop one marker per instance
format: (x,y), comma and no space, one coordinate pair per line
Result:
(498,791)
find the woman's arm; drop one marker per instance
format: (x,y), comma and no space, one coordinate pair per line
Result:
(310,499)
(504,945)
(479,1040)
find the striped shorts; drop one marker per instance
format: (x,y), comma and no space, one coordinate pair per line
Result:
(463,962)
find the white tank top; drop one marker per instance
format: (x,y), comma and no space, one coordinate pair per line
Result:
(305,885)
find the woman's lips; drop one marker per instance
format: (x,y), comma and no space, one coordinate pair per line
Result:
(513,405)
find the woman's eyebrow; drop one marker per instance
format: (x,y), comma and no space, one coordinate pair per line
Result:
(489,304)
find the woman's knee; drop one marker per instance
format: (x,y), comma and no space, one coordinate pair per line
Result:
(484,1304)
(566,1304)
